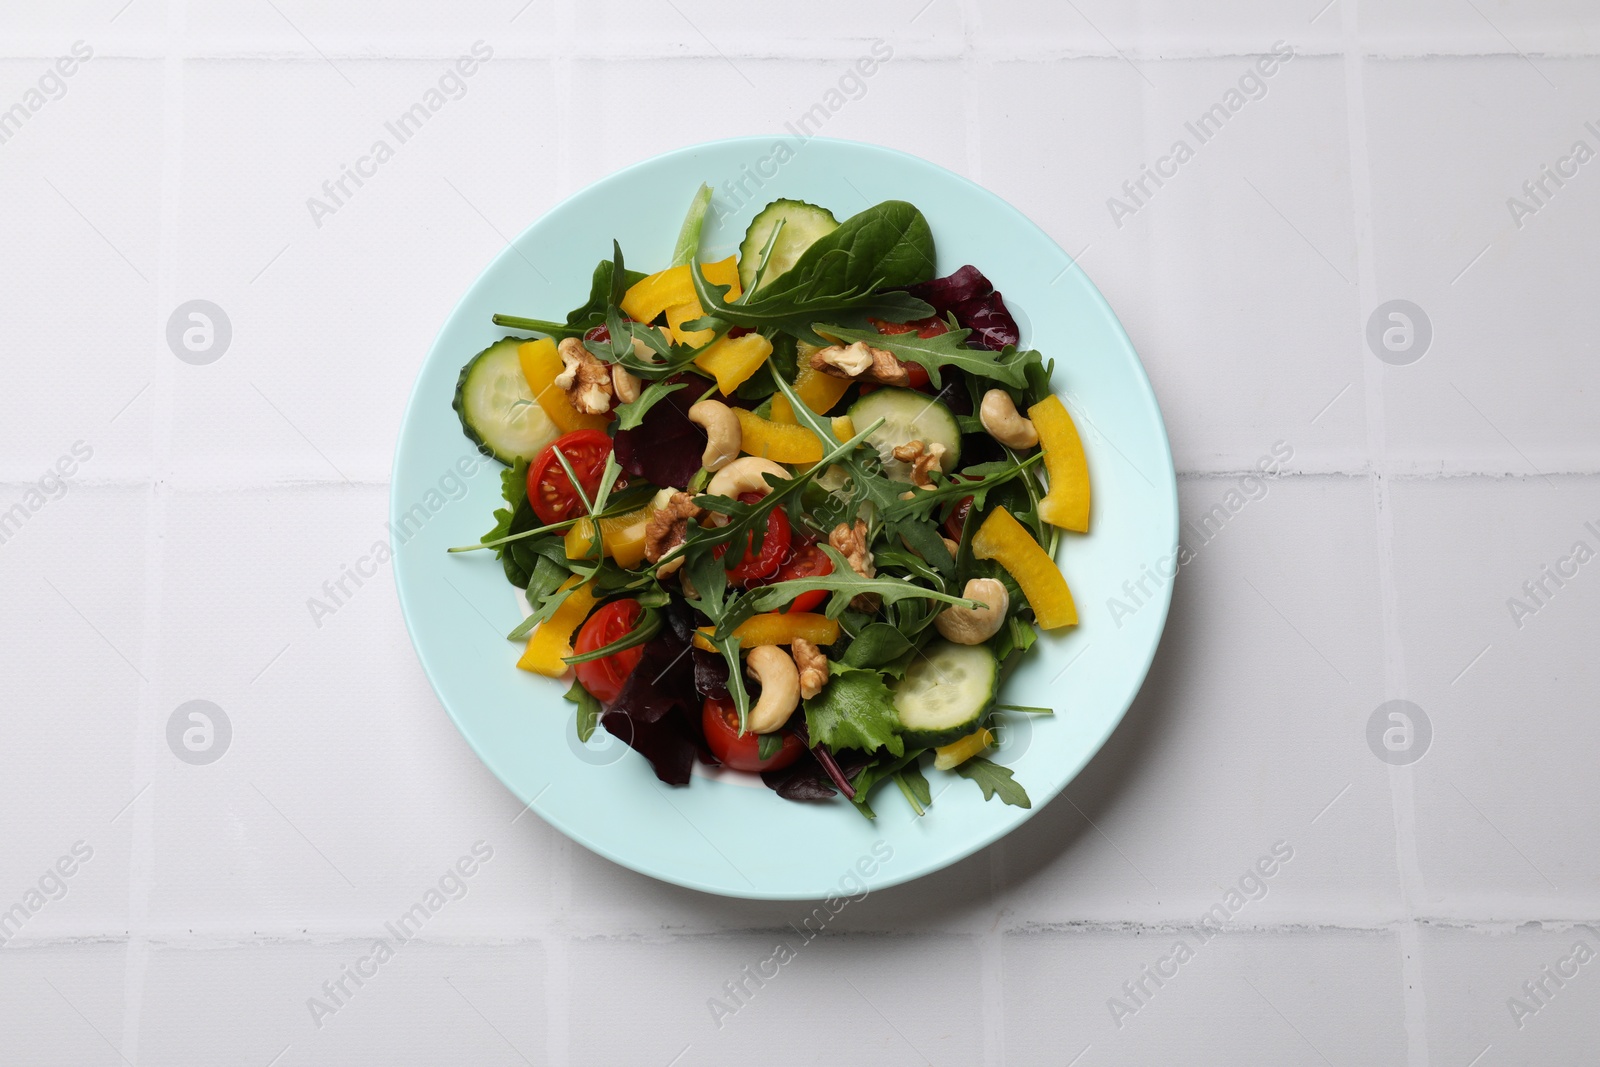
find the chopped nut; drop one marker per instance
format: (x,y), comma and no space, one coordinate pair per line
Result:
(851,542)
(860,362)
(585,380)
(813,667)
(922,459)
(666,530)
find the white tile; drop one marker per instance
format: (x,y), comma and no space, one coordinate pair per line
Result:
(1267,993)
(1516,724)
(1503,385)
(426,1003)
(64,1003)
(1240,300)
(1428,26)
(677,994)
(1474,976)
(1152,29)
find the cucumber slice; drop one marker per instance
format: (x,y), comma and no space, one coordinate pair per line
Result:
(907,416)
(946,692)
(497,407)
(803,224)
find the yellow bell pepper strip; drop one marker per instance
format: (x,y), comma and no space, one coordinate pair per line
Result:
(621,537)
(673,287)
(776,629)
(774,441)
(679,314)
(553,639)
(843,427)
(540,365)
(731,360)
(1003,539)
(1067,503)
(819,391)
(961,749)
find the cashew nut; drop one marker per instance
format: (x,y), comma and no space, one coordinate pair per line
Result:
(973,626)
(744,475)
(780,687)
(999,416)
(723,436)
(625,384)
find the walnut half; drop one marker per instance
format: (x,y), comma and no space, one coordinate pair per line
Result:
(585,380)
(812,665)
(666,530)
(851,543)
(860,363)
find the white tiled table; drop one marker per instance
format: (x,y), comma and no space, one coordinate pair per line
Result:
(176,164)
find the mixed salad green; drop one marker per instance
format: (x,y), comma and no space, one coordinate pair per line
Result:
(792,512)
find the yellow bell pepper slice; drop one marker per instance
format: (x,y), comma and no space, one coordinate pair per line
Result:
(961,749)
(621,537)
(1003,539)
(540,365)
(679,314)
(843,427)
(731,360)
(777,629)
(673,287)
(553,639)
(817,391)
(774,441)
(1067,503)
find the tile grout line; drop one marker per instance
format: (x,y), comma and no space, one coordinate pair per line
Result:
(1401,780)
(149,733)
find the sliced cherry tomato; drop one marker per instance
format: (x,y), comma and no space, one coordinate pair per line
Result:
(603,678)
(550,491)
(774,547)
(598,333)
(807,561)
(958,518)
(720,721)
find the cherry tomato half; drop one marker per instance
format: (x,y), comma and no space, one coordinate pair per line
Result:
(807,561)
(774,547)
(550,491)
(958,518)
(603,678)
(720,721)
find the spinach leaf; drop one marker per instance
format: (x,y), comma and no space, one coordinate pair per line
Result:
(875,646)
(854,710)
(994,780)
(884,246)
(794,312)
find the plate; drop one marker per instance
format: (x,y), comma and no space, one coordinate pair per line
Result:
(726,833)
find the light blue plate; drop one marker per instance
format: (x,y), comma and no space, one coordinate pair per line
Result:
(721,834)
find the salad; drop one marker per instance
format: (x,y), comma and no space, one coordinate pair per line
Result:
(791,512)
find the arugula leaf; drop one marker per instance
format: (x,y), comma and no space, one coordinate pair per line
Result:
(794,311)
(915,787)
(689,236)
(547,576)
(883,246)
(514,488)
(845,585)
(586,316)
(995,780)
(945,349)
(877,773)
(767,745)
(588,710)
(854,710)
(631,414)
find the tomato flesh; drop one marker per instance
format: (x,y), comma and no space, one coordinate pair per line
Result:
(957,521)
(774,547)
(604,678)
(807,561)
(720,722)
(550,491)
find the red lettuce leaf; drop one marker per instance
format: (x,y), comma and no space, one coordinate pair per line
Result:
(666,448)
(969,296)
